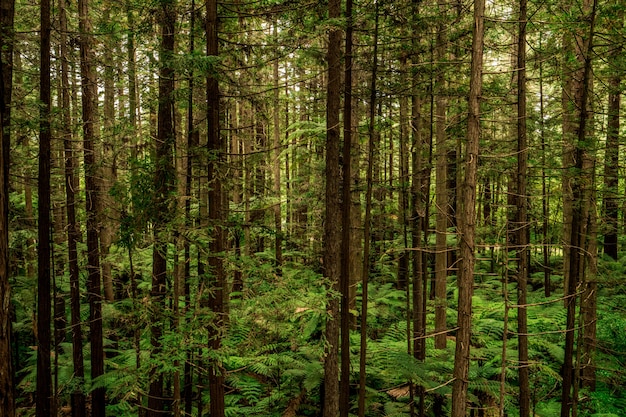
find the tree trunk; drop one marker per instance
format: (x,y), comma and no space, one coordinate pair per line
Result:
(73,231)
(90,114)
(278,239)
(581,179)
(346,229)
(163,187)
(441,196)
(522,225)
(332,222)
(467,221)
(611,159)
(44,380)
(367,223)
(7,400)
(217,217)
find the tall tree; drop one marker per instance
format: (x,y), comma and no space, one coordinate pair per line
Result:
(164,179)
(332,222)
(467,220)
(346,230)
(522,225)
(581,180)
(90,114)
(73,232)
(44,378)
(371,130)
(7,401)
(441,190)
(611,159)
(216,214)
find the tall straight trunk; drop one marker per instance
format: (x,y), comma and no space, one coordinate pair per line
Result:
(403,192)
(367,223)
(278,239)
(611,159)
(346,229)
(191,149)
(108,216)
(441,194)
(163,186)
(467,221)
(132,83)
(522,226)
(73,231)
(7,401)
(90,114)
(420,185)
(332,223)
(44,379)
(217,217)
(581,178)
(544,189)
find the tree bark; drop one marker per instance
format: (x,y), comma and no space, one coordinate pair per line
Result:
(346,229)
(467,221)
(367,223)
(163,186)
(332,222)
(217,217)
(611,159)
(90,127)
(7,400)
(522,225)
(581,180)
(441,195)
(73,231)
(44,379)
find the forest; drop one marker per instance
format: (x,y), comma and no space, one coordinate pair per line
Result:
(285,208)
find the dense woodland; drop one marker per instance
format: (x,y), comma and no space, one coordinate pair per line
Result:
(298,208)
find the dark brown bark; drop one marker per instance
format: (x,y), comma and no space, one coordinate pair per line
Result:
(367,223)
(278,239)
(346,229)
(217,216)
(163,185)
(581,176)
(467,221)
(44,378)
(191,143)
(441,193)
(611,159)
(90,114)
(7,400)
(522,225)
(332,222)
(73,232)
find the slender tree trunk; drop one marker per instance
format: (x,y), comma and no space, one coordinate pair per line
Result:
(441,194)
(332,223)
(467,221)
(522,226)
(544,189)
(611,164)
(7,400)
(73,231)
(107,214)
(367,223)
(163,186)
(90,114)
(217,216)
(581,182)
(346,229)
(44,380)
(278,242)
